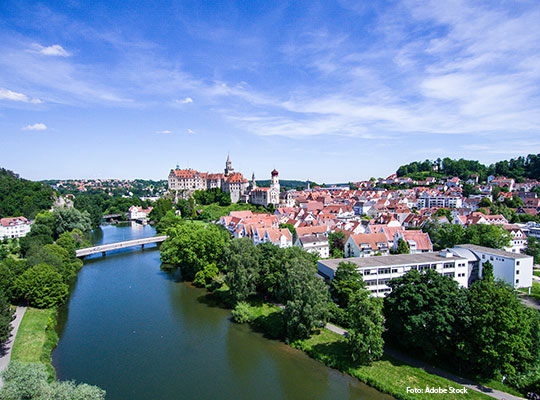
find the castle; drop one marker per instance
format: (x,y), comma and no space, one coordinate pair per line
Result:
(184,182)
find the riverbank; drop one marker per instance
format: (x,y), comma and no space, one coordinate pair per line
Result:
(388,375)
(36,338)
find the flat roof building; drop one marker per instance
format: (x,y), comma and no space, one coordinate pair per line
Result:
(463,263)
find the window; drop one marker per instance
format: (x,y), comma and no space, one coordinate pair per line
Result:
(517,271)
(517,262)
(517,280)
(448,265)
(394,270)
(484,256)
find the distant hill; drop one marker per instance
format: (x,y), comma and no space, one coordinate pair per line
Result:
(22,197)
(519,168)
(284,183)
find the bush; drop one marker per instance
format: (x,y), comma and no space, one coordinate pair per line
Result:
(242,313)
(29,381)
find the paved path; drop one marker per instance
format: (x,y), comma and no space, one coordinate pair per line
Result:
(5,351)
(496,394)
(435,371)
(530,302)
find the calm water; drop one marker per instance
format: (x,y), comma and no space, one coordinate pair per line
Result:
(140,334)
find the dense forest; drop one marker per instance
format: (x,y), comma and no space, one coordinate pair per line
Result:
(519,168)
(22,197)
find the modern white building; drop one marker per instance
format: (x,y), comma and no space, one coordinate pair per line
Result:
(463,263)
(513,268)
(427,201)
(15,227)
(378,271)
(136,212)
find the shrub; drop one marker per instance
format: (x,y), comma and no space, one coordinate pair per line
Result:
(242,313)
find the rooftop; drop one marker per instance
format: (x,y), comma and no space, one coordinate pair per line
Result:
(495,252)
(396,259)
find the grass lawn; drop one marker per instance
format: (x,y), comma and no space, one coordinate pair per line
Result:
(387,375)
(536,272)
(36,337)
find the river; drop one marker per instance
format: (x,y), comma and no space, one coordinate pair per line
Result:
(141,333)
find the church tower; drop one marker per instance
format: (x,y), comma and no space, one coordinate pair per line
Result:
(253,183)
(275,180)
(228,166)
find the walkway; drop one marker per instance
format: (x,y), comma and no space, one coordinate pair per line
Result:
(5,351)
(435,371)
(119,245)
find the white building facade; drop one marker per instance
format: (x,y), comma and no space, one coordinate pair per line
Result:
(15,227)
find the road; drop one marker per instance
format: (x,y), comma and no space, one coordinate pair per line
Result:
(5,351)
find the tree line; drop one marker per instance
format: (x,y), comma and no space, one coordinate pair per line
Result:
(519,168)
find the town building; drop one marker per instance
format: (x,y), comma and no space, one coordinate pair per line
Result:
(265,196)
(463,263)
(315,244)
(15,227)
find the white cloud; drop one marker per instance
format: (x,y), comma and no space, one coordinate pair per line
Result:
(187,100)
(35,127)
(166,132)
(54,50)
(6,94)
(191,132)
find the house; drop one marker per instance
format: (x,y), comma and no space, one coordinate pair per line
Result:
(136,212)
(315,243)
(366,244)
(278,237)
(15,227)
(518,241)
(418,241)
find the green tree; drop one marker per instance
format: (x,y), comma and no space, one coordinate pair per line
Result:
(160,208)
(6,316)
(485,202)
(493,236)
(402,247)
(192,247)
(241,259)
(336,241)
(444,212)
(68,218)
(205,276)
(500,337)
(307,301)
(42,286)
(30,381)
(444,235)
(425,313)
(366,322)
(533,248)
(347,281)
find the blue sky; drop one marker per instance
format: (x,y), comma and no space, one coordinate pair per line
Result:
(330,91)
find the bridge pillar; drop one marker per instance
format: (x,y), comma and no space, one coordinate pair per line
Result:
(103,253)
(142,246)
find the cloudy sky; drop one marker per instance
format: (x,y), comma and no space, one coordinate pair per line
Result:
(330,91)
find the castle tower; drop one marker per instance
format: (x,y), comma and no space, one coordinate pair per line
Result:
(253,183)
(275,180)
(228,166)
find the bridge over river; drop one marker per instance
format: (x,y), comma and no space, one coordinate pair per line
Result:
(119,245)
